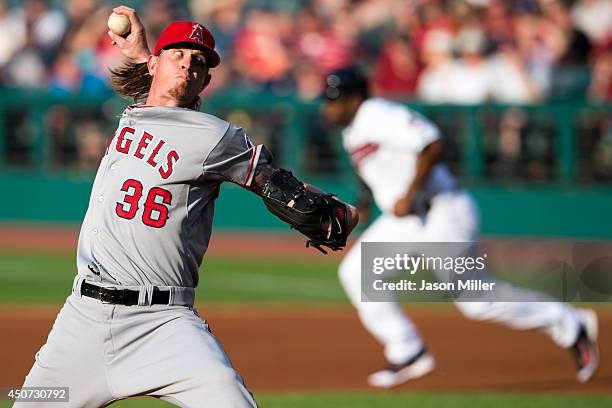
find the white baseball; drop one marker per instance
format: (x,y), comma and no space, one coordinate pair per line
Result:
(119,24)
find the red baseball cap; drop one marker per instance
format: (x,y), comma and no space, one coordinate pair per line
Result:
(189,32)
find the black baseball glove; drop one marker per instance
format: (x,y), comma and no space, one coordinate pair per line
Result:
(321,217)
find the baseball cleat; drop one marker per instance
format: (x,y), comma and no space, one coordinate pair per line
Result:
(585,349)
(420,365)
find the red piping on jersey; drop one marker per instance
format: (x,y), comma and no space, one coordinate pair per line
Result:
(246,181)
(359,154)
(129,108)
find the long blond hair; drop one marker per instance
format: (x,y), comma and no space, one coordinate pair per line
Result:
(132,80)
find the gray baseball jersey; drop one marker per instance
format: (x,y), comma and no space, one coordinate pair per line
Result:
(148,225)
(150,213)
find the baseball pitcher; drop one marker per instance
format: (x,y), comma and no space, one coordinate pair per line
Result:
(129,327)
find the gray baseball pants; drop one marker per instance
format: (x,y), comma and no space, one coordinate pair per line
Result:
(106,352)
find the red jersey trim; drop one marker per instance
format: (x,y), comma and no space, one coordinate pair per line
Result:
(254,161)
(359,154)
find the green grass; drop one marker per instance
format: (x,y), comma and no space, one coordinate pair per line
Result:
(403,400)
(46,278)
(42,277)
(27,277)
(430,400)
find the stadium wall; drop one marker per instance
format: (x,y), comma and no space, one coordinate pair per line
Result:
(505,210)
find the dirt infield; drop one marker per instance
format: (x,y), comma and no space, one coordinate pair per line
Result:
(326,349)
(251,243)
(255,243)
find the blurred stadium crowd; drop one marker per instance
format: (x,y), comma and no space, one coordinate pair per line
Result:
(464,52)
(461,51)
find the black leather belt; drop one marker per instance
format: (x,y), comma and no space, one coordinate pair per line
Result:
(125,297)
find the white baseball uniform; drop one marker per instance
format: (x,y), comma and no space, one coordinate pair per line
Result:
(384,140)
(146,229)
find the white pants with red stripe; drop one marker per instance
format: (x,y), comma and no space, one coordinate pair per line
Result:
(453,217)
